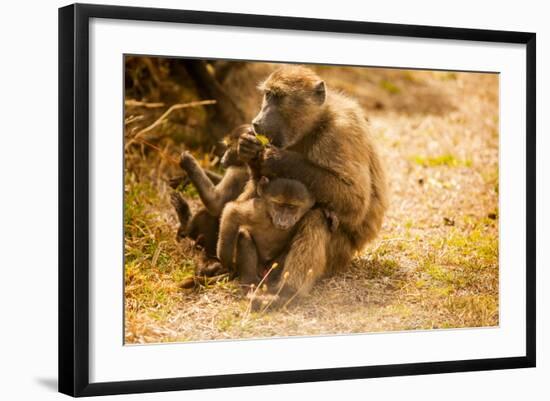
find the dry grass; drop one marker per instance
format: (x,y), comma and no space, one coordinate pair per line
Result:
(435,264)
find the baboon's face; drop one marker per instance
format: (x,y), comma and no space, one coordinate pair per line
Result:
(292,102)
(285,215)
(271,120)
(287,201)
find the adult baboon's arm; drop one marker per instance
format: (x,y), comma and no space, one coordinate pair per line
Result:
(329,188)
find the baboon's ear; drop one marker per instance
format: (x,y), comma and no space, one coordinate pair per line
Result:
(320,91)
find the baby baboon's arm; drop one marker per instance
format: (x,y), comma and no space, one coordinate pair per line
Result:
(326,186)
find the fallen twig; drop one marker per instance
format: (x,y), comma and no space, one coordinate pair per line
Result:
(162,153)
(133,119)
(194,281)
(159,120)
(137,103)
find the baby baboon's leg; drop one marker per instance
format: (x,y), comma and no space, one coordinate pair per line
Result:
(183,212)
(229,229)
(203,228)
(211,199)
(246,258)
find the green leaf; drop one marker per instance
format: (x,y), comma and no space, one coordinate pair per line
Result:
(263,139)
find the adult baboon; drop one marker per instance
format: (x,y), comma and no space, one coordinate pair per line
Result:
(322,139)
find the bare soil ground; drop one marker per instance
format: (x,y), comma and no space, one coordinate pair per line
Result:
(434,265)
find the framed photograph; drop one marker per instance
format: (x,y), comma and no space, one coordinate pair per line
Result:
(250,199)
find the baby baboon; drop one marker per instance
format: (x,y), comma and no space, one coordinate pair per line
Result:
(215,196)
(215,193)
(254,232)
(324,141)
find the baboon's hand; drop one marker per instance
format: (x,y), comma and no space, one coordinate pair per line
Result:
(186,160)
(248,147)
(271,161)
(332,219)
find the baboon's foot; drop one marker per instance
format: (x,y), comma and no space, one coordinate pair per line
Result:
(183,212)
(181,234)
(180,182)
(187,161)
(178,203)
(210,269)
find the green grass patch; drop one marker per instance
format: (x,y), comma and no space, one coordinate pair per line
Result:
(479,245)
(478,310)
(447,76)
(225,324)
(491,179)
(153,266)
(443,160)
(462,261)
(383,267)
(136,199)
(190,191)
(390,87)
(411,77)
(398,310)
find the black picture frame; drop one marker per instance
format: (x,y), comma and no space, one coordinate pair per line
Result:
(74,198)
